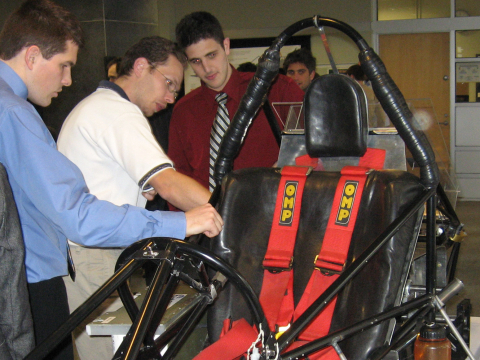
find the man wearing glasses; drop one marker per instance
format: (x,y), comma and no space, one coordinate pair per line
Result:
(109,138)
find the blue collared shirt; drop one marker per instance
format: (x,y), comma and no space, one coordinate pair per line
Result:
(51,195)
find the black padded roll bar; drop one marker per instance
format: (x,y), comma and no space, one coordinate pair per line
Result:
(384,88)
(251,102)
(395,106)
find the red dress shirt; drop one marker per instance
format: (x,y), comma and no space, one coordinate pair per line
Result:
(192,119)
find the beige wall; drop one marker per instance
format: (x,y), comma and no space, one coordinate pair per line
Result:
(268,18)
(265,14)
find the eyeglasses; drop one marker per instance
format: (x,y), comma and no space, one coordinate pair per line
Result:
(170,85)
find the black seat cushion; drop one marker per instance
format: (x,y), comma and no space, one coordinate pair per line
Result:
(247,206)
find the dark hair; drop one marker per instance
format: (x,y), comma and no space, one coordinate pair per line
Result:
(41,23)
(303,56)
(247,67)
(357,72)
(110,61)
(153,48)
(115,60)
(197,26)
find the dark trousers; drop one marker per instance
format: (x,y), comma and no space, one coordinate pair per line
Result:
(49,305)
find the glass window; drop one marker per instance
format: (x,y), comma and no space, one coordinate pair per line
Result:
(467,43)
(467,82)
(467,8)
(413,9)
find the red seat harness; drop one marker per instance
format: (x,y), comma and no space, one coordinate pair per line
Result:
(276,296)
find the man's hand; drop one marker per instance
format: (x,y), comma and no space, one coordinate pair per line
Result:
(149,195)
(203,219)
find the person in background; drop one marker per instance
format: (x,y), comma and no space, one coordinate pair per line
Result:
(376,116)
(201,36)
(356,73)
(109,138)
(38,48)
(112,68)
(247,67)
(300,65)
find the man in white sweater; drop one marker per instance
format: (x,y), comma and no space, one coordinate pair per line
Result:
(109,138)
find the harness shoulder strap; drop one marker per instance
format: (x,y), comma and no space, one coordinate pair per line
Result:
(276,296)
(373,159)
(330,262)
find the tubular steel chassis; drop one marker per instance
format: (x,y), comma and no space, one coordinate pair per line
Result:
(175,257)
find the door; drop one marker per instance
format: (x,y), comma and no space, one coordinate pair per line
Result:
(419,65)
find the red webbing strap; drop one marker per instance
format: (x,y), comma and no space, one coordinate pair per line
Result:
(373,158)
(233,344)
(276,296)
(333,254)
(307,160)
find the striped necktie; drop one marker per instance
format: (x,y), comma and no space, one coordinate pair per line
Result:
(220,125)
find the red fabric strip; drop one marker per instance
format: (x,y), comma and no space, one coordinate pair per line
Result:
(276,296)
(334,251)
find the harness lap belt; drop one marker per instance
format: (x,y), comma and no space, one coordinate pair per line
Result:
(235,339)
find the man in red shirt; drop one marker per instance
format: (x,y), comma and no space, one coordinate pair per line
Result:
(201,36)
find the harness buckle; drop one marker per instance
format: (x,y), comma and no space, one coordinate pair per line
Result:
(328,271)
(279,330)
(278,269)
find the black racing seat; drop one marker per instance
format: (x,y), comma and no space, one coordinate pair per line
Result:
(336,125)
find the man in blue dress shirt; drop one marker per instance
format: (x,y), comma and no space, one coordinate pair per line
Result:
(38,47)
